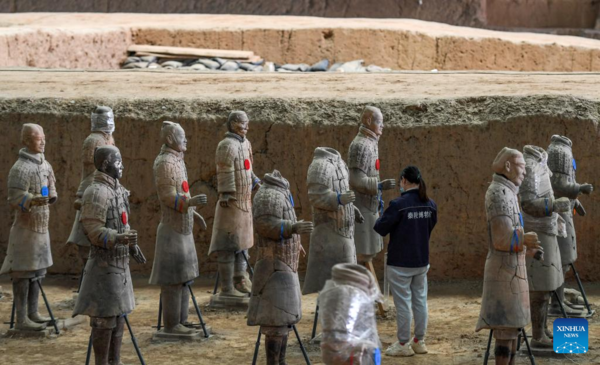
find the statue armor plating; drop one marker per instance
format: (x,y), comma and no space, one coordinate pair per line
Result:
(563,166)
(540,210)
(505,301)
(363,162)
(103,125)
(334,216)
(275,301)
(232,232)
(106,291)
(175,260)
(31,188)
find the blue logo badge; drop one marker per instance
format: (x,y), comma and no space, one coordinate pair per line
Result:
(570,336)
(44,191)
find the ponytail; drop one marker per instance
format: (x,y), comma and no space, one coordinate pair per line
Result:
(413,176)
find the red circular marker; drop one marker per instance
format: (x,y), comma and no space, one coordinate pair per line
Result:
(185,186)
(124,217)
(377,164)
(247,164)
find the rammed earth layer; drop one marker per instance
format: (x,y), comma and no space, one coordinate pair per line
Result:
(99,41)
(451,125)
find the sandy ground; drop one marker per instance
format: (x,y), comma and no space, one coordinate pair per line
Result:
(453,311)
(164,84)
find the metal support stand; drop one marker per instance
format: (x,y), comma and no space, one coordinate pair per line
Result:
(314,329)
(560,303)
(523,334)
(302,348)
(52,319)
(133,340)
(587,304)
(196,307)
(12,316)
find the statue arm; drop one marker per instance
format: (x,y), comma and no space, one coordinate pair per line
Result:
(562,186)
(322,197)
(359,181)
(167,191)
(93,219)
(539,207)
(18,190)
(504,237)
(273,227)
(225,169)
(52,194)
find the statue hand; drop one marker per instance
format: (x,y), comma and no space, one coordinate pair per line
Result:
(136,252)
(387,184)
(302,227)
(346,197)
(127,238)
(530,239)
(562,205)
(225,198)
(586,189)
(198,200)
(77,204)
(39,201)
(358,217)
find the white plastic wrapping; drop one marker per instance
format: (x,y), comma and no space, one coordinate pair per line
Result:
(347,317)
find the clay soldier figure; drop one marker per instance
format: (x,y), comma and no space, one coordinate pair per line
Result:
(106,292)
(31,188)
(563,166)
(103,125)
(275,301)
(175,260)
(505,302)
(348,317)
(363,161)
(233,234)
(334,215)
(540,210)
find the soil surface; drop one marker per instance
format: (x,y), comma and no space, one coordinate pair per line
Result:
(450,125)
(99,41)
(451,338)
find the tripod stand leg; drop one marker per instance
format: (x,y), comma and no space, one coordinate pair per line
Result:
(487,351)
(256,348)
(301,345)
(198,311)
(159,322)
(560,303)
(314,329)
(248,263)
(12,315)
(217,279)
(48,308)
(134,341)
(587,305)
(89,351)
(531,358)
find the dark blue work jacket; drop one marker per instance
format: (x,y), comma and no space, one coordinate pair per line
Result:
(409,222)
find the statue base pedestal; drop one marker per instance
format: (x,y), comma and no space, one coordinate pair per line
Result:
(539,351)
(162,336)
(15,333)
(316,340)
(64,324)
(229,302)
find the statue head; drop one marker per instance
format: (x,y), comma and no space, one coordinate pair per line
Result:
(103,120)
(33,138)
(238,123)
(372,119)
(173,135)
(108,160)
(510,163)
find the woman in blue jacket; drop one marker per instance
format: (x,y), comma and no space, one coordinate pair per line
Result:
(409,220)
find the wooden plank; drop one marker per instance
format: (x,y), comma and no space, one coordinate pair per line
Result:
(185,51)
(380,307)
(172,57)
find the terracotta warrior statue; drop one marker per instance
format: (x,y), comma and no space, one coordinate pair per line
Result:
(334,215)
(363,161)
(175,260)
(106,292)
(103,125)
(31,188)
(505,301)
(233,234)
(275,301)
(563,166)
(540,209)
(348,317)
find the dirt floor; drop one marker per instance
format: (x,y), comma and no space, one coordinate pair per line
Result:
(453,312)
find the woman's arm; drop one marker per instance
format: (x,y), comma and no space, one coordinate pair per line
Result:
(388,220)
